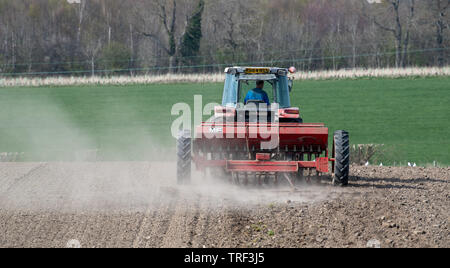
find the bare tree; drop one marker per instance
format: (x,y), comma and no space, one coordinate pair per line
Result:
(409,23)
(91,50)
(91,39)
(400,31)
(439,9)
(81,12)
(167,15)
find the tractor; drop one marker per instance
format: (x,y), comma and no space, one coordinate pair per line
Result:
(261,143)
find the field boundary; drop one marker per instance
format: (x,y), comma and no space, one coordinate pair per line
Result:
(219,77)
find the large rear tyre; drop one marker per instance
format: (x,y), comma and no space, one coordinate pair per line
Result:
(184,157)
(342,157)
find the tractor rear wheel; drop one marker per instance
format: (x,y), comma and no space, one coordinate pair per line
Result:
(342,157)
(184,157)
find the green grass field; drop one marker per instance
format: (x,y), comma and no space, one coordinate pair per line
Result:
(409,116)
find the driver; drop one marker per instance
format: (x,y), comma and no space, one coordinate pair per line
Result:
(257,94)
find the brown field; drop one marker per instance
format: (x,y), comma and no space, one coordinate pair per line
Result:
(137,204)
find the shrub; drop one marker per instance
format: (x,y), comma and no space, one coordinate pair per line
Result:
(363,153)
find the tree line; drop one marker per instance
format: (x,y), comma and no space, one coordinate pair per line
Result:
(103,37)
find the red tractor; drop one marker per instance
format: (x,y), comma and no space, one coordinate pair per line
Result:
(261,141)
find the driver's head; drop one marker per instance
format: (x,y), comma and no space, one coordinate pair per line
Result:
(260,84)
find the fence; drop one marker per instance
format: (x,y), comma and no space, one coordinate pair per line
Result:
(296,58)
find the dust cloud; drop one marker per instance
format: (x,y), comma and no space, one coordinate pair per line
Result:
(85,182)
(131,186)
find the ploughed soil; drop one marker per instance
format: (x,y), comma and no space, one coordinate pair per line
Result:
(138,204)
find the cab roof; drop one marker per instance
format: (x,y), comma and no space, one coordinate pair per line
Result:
(256,70)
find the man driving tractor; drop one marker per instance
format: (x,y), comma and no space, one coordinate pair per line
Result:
(227,143)
(257,94)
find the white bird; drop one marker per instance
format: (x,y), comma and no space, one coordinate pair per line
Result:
(381,164)
(414,165)
(367,163)
(409,164)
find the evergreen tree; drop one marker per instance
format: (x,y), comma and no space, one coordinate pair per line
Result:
(190,45)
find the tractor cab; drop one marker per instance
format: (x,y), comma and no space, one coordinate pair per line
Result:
(240,80)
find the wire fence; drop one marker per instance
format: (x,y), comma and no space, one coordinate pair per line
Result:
(177,57)
(329,61)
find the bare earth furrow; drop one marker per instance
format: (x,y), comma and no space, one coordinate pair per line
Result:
(139,205)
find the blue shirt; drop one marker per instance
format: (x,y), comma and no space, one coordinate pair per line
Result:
(257,94)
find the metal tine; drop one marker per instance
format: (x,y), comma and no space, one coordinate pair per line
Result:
(286,176)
